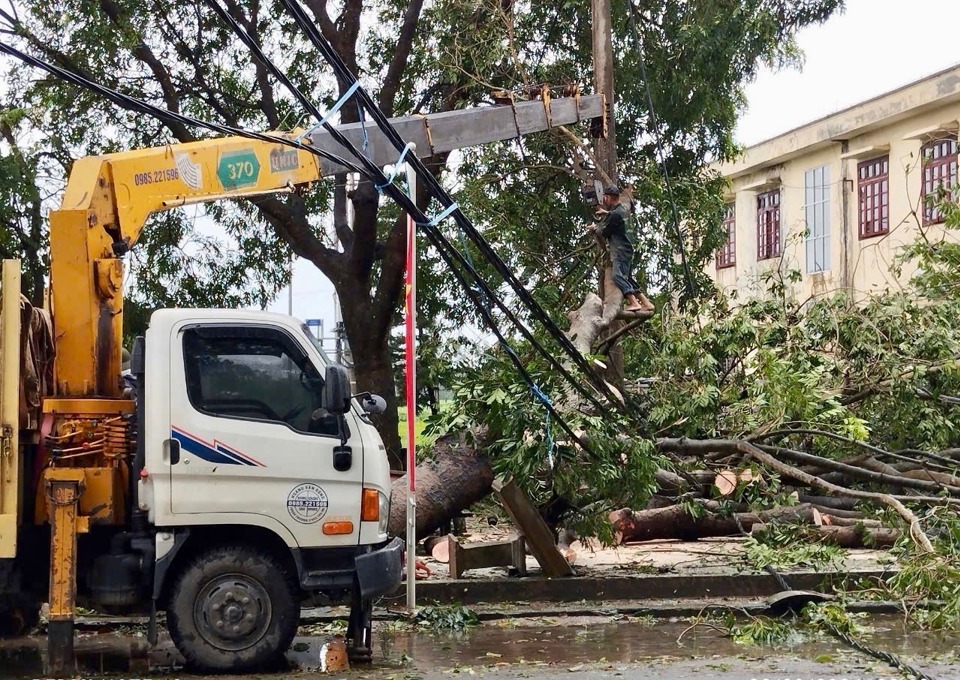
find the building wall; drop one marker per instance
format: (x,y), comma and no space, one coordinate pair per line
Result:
(903,120)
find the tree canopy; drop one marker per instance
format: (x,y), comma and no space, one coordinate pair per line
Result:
(415,58)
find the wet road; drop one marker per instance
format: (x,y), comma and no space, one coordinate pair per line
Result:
(540,649)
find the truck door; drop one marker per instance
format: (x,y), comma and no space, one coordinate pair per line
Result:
(253,437)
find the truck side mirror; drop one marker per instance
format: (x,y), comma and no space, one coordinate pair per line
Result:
(336,389)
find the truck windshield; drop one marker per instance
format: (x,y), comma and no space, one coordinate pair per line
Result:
(315,343)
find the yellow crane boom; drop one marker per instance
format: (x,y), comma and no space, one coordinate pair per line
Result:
(106,204)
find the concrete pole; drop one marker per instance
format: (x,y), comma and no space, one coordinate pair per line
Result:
(605,149)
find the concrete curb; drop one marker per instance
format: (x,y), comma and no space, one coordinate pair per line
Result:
(660,596)
(610,588)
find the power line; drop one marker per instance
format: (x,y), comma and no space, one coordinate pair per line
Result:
(129,102)
(384,184)
(433,185)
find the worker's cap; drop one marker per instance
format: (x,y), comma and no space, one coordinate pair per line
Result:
(612,190)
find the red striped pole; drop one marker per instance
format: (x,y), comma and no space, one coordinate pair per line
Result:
(411,371)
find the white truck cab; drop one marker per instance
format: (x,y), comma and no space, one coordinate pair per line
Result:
(254,450)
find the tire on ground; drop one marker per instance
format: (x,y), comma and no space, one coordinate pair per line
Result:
(233,608)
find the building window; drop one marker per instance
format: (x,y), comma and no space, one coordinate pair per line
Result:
(768,224)
(873,196)
(939,159)
(816,208)
(727,254)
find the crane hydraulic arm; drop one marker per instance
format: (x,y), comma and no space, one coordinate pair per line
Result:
(106,204)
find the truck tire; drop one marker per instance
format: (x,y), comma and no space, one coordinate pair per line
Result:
(233,608)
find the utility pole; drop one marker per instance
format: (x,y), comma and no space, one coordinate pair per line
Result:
(605,147)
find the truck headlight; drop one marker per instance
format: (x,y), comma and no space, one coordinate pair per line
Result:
(384,513)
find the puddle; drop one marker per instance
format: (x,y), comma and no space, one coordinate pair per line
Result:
(555,643)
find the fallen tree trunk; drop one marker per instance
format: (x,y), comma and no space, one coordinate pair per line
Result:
(675,522)
(458,476)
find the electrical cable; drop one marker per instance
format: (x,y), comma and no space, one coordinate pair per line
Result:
(129,102)
(655,124)
(433,185)
(887,657)
(384,184)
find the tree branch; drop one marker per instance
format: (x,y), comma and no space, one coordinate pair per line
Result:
(858,472)
(327,27)
(607,344)
(401,54)
(171,98)
(289,218)
(268,103)
(746,448)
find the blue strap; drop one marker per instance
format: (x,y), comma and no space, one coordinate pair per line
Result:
(396,168)
(434,221)
(336,107)
(340,102)
(545,400)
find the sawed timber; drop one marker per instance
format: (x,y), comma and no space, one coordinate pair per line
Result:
(526,518)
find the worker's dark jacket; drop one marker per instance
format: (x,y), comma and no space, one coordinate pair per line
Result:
(613,227)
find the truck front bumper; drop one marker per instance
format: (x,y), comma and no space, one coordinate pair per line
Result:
(379,571)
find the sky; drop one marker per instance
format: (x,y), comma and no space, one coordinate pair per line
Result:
(873,47)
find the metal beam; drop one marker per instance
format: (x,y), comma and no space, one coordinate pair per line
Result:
(442,132)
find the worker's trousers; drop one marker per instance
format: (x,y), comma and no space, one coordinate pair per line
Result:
(621,256)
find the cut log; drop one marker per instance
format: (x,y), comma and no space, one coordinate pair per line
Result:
(744,447)
(676,523)
(458,476)
(437,548)
(836,512)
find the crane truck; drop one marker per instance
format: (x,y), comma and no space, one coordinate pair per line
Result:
(233,476)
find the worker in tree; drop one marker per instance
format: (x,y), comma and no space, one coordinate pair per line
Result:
(612,217)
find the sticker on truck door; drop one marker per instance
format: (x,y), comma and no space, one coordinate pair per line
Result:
(215,452)
(307,503)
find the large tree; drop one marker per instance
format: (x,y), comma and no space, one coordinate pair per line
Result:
(415,58)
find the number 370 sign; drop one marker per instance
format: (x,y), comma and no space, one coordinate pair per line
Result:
(238,169)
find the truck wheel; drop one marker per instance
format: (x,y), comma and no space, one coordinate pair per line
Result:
(233,608)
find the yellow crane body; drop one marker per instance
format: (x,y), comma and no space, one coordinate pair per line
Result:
(104,209)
